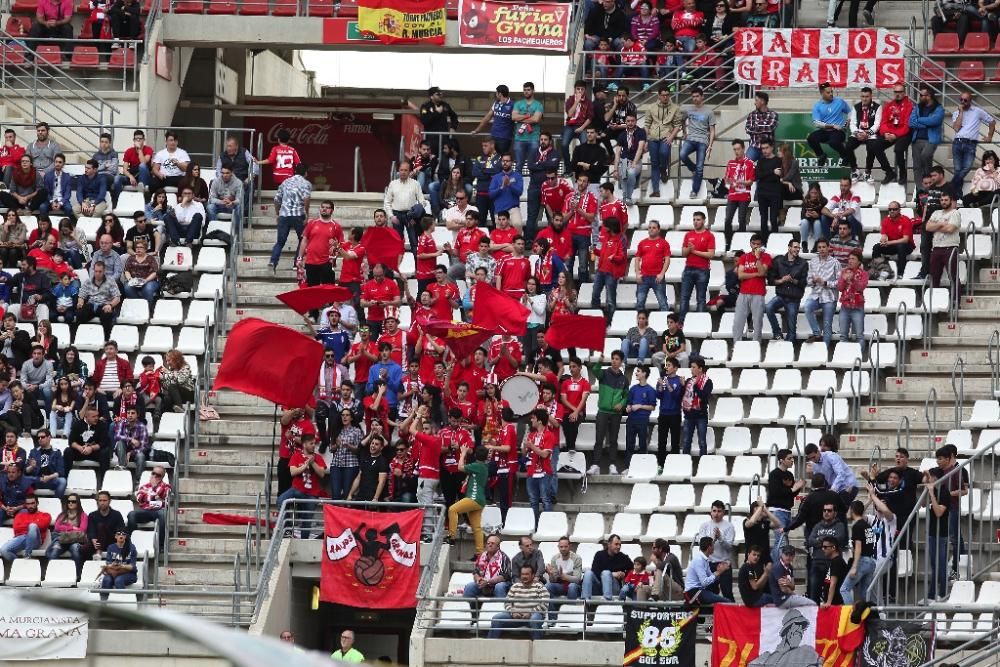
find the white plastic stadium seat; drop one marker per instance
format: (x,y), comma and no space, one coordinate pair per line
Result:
(660,526)
(642,468)
(134,311)
(711,468)
(645,498)
(520,521)
(676,468)
(679,498)
(626,526)
(551,526)
(168,313)
(588,528)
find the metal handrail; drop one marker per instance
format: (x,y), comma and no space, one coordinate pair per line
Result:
(930,417)
(800,464)
(151,19)
(876,455)
(954,288)
(901,317)
(855,411)
(927,304)
(359,171)
(829,418)
(994,233)
(993,355)
(970,239)
(875,361)
(903,421)
(958,390)
(85,76)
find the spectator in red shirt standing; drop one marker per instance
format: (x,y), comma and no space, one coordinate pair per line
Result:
(699,249)
(554,193)
(652,259)
(351,254)
(559,237)
(513,271)
(379,295)
(295,422)
(427,452)
(896,238)
(137,162)
(580,212)
(505,355)
(466,242)
(539,444)
(612,262)
(308,468)
(316,245)
(751,269)
(283,157)
(444,295)
(502,237)
(10,154)
(362,355)
(427,253)
(573,394)
(578,116)
(740,175)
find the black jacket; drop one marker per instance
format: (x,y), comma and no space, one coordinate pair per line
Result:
(605,561)
(595,156)
(602,24)
(811,509)
(798,270)
(444,168)
(437,121)
(539,165)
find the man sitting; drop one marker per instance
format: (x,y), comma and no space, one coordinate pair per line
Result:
(30,528)
(88,442)
(59,186)
(225,195)
(53,20)
(527,602)
(46,462)
(701,584)
(491,573)
(608,571)
(91,192)
(185,218)
(844,206)
(152,498)
(132,443)
(36,376)
(14,491)
(99,297)
(169,164)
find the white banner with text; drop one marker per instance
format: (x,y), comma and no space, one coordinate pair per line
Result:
(32,631)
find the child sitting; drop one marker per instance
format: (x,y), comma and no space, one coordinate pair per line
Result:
(149,384)
(636,584)
(633,59)
(65,293)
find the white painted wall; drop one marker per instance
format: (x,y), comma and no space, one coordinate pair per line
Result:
(268,75)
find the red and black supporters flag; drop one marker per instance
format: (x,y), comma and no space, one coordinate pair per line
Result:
(660,637)
(499,312)
(370,559)
(806,636)
(304,299)
(383,245)
(270,361)
(587,331)
(461,338)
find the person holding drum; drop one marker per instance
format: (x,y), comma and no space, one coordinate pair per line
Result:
(505,356)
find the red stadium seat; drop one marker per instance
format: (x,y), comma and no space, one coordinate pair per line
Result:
(24,7)
(122,59)
(321,8)
(18,26)
(347,11)
(932,71)
(285,8)
(945,42)
(85,57)
(977,42)
(254,8)
(221,7)
(148,4)
(189,7)
(49,54)
(12,54)
(971,70)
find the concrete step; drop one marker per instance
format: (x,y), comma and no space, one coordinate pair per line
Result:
(192,544)
(969,329)
(210,459)
(216,487)
(279,314)
(209,574)
(235,470)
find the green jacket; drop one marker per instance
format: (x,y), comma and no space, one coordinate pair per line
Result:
(612,391)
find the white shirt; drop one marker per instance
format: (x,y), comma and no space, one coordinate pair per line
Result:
(723,545)
(453,216)
(185,214)
(168,161)
(404,195)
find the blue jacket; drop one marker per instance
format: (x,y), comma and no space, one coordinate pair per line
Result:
(95,189)
(506,198)
(65,186)
(670,399)
(933,122)
(640,395)
(393,382)
(47,458)
(13,494)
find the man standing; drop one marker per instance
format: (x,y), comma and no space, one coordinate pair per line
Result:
(966,121)
(927,126)
(526,605)
(628,156)
(437,117)
(829,116)
(740,175)
(543,166)
(896,237)
(699,249)
(699,137)
(314,247)
(701,584)
(405,200)
(866,118)
(502,129)
(722,534)
(484,167)
(611,400)
(379,295)
(760,125)
(751,269)
(652,259)
(580,212)
(789,275)
(895,129)
(607,572)
(291,203)
(539,445)
(830,527)
(590,159)
(505,191)
(513,271)
(579,109)
(527,117)
(822,280)
(945,225)
(663,122)
(694,405)
(621,108)
(837,473)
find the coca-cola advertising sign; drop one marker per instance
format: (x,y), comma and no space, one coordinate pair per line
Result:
(327,146)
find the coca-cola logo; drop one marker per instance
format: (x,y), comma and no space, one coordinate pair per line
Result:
(314,134)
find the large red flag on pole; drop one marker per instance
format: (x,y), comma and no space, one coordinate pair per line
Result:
(383,245)
(498,311)
(304,299)
(268,360)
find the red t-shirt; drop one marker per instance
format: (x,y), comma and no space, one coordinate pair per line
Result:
(894,231)
(652,254)
(613,257)
(615,209)
(443,293)
(748,262)
(561,242)
(397,340)
(502,237)
(428,357)
(537,466)
(467,408)
(296,428)
(577,224)
(283,160)
(426,265)
(10,156)
(703,241)
(452,442)
(473,375)
(318,234)
(574,390)
(738,171)
(507,463)
(514,273)
(554,196)
(131,156)
(467,241)
(428,455)
(363,363)
(503,368)
(556,411)
(374,290)
(308,482)
(350,269)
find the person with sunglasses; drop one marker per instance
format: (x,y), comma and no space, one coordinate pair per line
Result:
(829,528)
(896,237)
(46,462)
(69,533)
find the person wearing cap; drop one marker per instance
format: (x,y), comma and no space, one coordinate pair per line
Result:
(119,564)
(438,117)
(781,582)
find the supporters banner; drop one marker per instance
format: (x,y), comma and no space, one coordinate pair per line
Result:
(805,57)
(33,631)
(462,338)
(497,25)
(745,637)
(895,643)
(403,21)
(370,559)
(660,636)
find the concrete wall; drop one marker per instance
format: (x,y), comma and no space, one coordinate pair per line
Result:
(114,648)
(158,96)
(275,612)
(270,75)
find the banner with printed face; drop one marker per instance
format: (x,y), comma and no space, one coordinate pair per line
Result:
(660,637)
(771,636)
(403,21)
(33,631)
(805,57)
(512,25)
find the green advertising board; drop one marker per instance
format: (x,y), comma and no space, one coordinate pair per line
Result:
(795,127)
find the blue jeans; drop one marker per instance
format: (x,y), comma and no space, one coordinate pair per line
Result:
(581,256)
(309,512)
(540,495)
(812,305)
(697,279)
(558,590)
(569,132)
(191,231)
(285,225)
(136,517)
(341,479)
(937,556)
(659,290)
(687,44)
(762,601)
(213,211)
(791,308)
(706,596)
(410,220)
(955,537)
(147,291)
(522,151)
(693,421)
(698,168)
(422,178)
(659,158)
(121,180)
(640,351)
(27,543)
(473,591)
(504,621)
(860,582)
(812,228)
(56,550)
(119,582)
(56,486)
(963,154)
(636,431)
(604,280)
(852,318)
(784,517)
(629,177)
(604,585)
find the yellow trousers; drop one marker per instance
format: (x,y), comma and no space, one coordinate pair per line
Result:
(474,511)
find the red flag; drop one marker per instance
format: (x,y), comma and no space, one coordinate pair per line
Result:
(304,299)
(498,311)
(383,245)
(370,559)
(587,331)
(461,338)
(270,361)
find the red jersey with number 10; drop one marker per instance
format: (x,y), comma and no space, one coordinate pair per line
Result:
(282,160)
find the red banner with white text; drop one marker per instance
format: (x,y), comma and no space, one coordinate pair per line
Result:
(535,25)
(370,559)
(745,637)
(806,57)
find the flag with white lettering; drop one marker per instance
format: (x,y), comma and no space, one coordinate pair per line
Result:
(370,559)
(807,57)
(660,637)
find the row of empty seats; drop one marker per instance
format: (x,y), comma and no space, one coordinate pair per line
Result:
(61,573)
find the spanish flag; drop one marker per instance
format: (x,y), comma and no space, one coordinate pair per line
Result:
(403,21)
